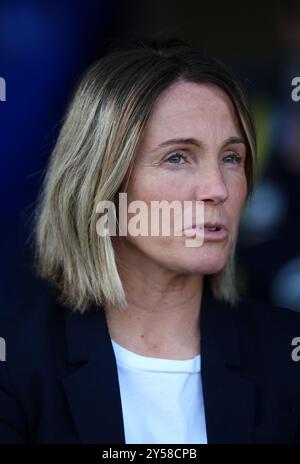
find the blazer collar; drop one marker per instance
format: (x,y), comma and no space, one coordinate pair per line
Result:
(229,399)
(92,388)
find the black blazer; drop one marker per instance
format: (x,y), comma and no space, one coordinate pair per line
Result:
(59,383)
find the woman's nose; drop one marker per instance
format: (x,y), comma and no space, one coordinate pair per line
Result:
(211,186)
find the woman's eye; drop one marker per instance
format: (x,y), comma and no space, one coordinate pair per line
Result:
(233,158)
(176,158)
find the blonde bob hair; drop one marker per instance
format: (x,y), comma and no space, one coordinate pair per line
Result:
(94,154)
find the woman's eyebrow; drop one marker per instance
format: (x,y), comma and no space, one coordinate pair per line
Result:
(180,141)
(234,139)
(198,143)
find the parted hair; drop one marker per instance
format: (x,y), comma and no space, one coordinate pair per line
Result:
(93,157)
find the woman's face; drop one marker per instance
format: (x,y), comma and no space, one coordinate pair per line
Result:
(192,149)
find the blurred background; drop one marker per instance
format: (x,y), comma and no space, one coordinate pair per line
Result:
(45,47)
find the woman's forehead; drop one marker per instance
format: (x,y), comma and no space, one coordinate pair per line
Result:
(189,110)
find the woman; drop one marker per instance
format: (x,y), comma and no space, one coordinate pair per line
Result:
(143,339)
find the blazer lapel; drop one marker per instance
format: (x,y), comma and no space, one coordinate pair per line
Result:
(92,387)
(229,399)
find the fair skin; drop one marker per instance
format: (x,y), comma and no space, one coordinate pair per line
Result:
(162,278)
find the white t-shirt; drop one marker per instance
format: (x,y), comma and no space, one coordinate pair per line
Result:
(162,399)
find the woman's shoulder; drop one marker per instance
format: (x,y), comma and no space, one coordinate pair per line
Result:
(261,312)
(270,332)
(32,326)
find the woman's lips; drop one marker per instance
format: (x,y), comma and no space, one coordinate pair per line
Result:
(209,235)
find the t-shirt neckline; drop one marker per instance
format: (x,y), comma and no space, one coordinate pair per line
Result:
(133,360)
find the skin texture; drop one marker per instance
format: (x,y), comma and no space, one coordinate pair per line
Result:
(162,278)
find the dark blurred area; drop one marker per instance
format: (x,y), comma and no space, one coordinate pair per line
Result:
(269,242)
(44,48)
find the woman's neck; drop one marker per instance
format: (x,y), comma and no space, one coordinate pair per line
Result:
(162,318)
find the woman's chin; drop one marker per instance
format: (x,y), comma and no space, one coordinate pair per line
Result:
(206,265)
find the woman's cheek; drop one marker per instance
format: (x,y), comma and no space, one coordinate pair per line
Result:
(238,189)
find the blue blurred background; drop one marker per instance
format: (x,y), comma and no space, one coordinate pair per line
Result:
(44,48)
